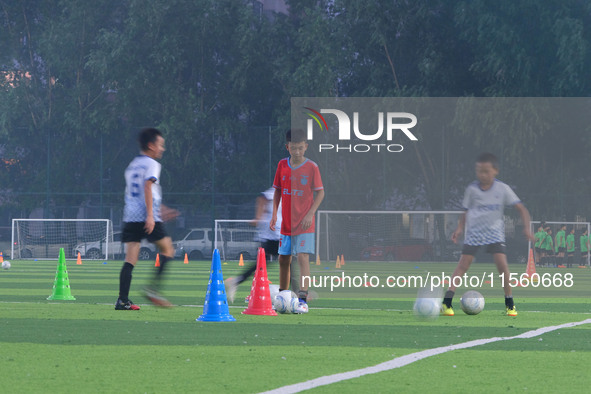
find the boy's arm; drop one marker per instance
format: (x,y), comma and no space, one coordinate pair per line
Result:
(525,218)
(149,224)
(276,201)
(307,221)
(461,222)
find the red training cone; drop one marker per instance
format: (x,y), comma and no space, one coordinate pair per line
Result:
(260,302)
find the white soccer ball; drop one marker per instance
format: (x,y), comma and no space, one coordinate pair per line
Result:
(273,290)
(282,301)
(6,264)
(472,302)
(293,305)
(427,307)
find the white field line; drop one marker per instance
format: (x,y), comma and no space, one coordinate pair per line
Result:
(411,358)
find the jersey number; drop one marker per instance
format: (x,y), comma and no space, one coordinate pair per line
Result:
(135,186)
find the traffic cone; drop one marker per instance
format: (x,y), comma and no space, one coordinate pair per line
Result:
(61,284)
(79,260)
(531,267)
(157,264)
(342,260)
(338,262)
(260,302)
(186,259)
(215,307)
(1,258)
(241,262)
(317,259)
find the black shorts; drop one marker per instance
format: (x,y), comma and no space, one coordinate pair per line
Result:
(540,250)
(134,232)
(561,250)
(471,250)
(271,247)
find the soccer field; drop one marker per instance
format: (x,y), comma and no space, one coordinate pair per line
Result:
(87,346)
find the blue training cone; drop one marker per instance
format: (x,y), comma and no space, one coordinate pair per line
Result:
(215,307)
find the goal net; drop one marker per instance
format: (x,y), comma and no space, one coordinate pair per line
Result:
(387,235)
(554,257)
(236,237)
(43,238)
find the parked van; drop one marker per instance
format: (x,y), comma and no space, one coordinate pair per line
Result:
(95,250)
(197,244)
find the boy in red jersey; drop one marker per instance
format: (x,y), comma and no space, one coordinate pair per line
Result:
(298,186)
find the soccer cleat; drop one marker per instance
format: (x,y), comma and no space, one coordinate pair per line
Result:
(302,307)
(156,298)
(231,286)
(126,306)
(511,311)
(447,311)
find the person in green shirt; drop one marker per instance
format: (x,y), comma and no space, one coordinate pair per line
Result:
(570,247)
(548,246)
(584,242)
(539,237)
(560,245)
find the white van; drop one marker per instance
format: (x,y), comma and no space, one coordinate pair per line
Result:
(96,250)
(197,244)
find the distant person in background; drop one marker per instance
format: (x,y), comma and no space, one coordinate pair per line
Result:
(570,247)
(560,245)
(539,237)
(584,242)
(548,246)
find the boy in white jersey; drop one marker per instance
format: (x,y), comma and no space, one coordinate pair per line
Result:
(484,203)
(143,215)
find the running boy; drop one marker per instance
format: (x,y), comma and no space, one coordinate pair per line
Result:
(296,181)
(484,203)
(143,215)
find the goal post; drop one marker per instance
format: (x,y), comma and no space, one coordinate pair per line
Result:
(583,258)
(234,237)
(43,238)
(387,235)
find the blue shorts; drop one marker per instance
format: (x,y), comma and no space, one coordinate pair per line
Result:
(293,244)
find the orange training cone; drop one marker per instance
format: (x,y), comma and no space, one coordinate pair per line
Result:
(531,267)
(241,263)
(186,259)
(338,262)
(317,259)
(1,258)
(157,264)
(79,260)
(260,296)
(342,260)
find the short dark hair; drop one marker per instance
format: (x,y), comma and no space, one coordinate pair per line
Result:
(296,135)
(147,136)
(488,158)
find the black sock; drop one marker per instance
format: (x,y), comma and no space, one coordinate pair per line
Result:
(163,261)
(509,302)
(303,295)
(125,281)
(449,295)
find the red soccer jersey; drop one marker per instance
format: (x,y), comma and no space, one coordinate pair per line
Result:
(297,187)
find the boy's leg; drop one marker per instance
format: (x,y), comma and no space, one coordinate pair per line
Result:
(304,263)
(461,269)
(284,266)
(166,254)
(500,260)
(125,276)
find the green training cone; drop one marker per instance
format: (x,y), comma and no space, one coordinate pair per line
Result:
(61,284)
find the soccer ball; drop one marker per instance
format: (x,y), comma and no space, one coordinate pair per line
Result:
(282,301)
(6,264)
(472,302)
(273,290)
(427,307)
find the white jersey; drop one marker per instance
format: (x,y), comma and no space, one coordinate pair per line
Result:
(484,212)
(141,169)
(264,233)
